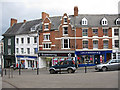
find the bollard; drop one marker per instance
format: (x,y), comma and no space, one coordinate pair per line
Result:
(37,71)
(85,69)
(5,72)
(19,69)
(9,73)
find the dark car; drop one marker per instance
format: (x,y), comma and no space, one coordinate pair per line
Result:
(66,65)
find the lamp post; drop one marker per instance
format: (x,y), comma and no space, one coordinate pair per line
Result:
(37,52)
(1,60)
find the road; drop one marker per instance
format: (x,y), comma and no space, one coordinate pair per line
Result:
(91,79)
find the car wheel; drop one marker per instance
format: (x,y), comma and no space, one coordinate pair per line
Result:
(52,71)
(70,71)
(104,69)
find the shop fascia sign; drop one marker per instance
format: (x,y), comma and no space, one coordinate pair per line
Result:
(90,52)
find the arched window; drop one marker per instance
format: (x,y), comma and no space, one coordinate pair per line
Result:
(104,21)
(84,21)
(118,21)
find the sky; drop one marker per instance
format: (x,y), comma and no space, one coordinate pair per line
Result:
(32,9)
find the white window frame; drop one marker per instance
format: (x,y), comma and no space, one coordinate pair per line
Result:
(64,31)
(17,50)
(115,32)
(105,47)
(17,40)
(115,43)
(44,45)
(118,20)
(104,21)
(86,32)
(84,21)
(65,22)
(45,37)
(22,50)
(83,44)
(35,41)
(9,41)
(28,39)
(63,47)
(95,44)
(103,32)
(9,51)
(46,24)
(21,40)
(28,50)
(93,32)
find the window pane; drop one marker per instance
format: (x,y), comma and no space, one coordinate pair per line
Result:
(95,44)
(117,43)
(116,32)
(105,44)
(85,32)
(95,32)
(65,43)
(85,44)
(65,30)
(105,32)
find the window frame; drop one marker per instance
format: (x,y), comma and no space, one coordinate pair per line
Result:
(105,46)
(84,33)
(116,45)
(9,51)
(95,44)
(22,40)
(86,45)
(104,32)
(28,50)
(9,41)
(116,32)
(95,33)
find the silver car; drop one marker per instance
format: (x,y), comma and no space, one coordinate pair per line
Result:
(113,64)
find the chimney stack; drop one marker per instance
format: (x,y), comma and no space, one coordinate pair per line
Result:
(44,15)
(24,21)
(75,11)
(13,21)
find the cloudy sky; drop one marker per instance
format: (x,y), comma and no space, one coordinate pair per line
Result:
(31,9)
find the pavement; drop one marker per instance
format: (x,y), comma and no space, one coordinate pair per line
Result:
(91,79)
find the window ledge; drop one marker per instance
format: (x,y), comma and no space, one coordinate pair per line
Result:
(46,29)
(46,48)
(46,40)
(65,48)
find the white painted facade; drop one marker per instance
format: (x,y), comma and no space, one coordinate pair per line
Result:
(116,50)
(26,53)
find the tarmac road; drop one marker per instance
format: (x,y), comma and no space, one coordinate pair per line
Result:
(92,79)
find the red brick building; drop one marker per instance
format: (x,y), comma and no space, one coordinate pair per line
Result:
(88,37)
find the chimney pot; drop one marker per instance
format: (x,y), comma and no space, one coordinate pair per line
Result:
(75,11)
(13,21)
(24,21)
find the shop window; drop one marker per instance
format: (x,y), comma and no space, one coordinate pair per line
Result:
(9,41)
(85,44)
(83,59)
(116,43)
(95,44)
(65,30)
(47,46)
(105,44)
(85,32)
(105,32)
(95,32)
(116,32)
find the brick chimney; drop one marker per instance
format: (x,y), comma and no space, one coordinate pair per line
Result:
(75,11)
(24,21)
(44,15)
(13,21)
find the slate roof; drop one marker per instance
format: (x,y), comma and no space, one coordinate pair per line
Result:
(94,20)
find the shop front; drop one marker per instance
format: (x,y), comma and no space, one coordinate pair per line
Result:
(91,58)
(26,62)
(51,58)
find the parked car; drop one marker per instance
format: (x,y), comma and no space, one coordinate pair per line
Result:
(66,65)
(113,64)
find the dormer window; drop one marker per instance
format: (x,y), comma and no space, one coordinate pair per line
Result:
(104,21)
(118,21)
(33,29)
(84,21)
